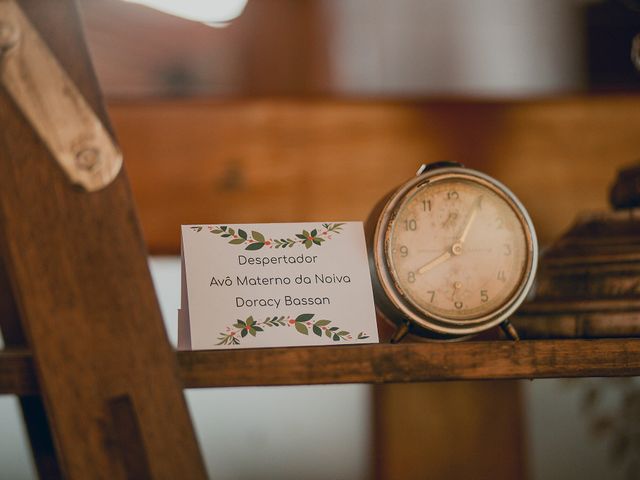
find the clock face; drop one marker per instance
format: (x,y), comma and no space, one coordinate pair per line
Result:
(457,249)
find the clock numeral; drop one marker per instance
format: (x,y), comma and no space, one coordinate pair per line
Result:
(411,277)
(433,295)
(484,296)
(507,250)
(426,205)
(410,225)
(452,195)
(501,276)
(404,251)
(458,305)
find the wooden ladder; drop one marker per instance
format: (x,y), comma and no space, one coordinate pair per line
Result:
(75,289)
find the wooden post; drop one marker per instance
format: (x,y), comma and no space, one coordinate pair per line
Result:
(77,266)
(32,406)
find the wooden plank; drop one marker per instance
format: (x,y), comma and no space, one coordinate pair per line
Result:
(32,406)
(300,159)
(382,363)
(411,362)
(421,431)
(78,266)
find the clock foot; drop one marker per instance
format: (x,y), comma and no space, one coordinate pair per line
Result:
(509,330)
(400,333)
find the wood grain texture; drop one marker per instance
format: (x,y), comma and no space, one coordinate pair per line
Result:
(472,430)
(382,363)
(287,159)
(411,362)
(32,406)
(82,287)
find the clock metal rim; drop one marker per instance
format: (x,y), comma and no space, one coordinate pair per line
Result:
(394,293)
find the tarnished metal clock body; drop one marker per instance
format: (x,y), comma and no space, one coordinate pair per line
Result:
(452,252)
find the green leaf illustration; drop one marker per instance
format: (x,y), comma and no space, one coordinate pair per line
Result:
(242,234)
(236,241)
(302,328)
(305,317)
(258,237)
(255,246)
(250,327)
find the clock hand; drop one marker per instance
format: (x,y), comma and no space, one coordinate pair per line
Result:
(472,216)
(435,262)
(456,249)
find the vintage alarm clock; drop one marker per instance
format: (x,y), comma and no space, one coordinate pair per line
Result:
(452,253)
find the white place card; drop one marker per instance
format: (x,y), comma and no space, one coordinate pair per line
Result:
(274,285)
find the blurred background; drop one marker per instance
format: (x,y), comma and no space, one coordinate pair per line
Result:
(306,110)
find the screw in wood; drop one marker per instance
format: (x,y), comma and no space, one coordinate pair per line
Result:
(9,36)
(87,159)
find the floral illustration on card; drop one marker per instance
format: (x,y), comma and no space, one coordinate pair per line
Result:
(303,324)
(256,240)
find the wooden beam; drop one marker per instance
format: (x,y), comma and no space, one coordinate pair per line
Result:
(411,362)
(32,405)
(300,159)
(77,264)
(382,363)
(453,431)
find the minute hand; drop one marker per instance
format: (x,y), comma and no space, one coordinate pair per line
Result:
(472,216)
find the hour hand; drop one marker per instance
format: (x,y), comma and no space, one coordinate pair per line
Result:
(435,262)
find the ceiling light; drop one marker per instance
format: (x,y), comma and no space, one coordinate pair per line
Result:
(217,13)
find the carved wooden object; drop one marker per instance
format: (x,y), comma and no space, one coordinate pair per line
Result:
(589,279)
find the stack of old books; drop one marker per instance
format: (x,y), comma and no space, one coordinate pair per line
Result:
(588,284)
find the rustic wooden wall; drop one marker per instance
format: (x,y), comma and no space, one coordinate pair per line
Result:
(262,160)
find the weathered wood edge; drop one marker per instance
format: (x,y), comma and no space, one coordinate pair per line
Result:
(411,362)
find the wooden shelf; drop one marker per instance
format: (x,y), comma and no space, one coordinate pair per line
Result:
(408,362)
